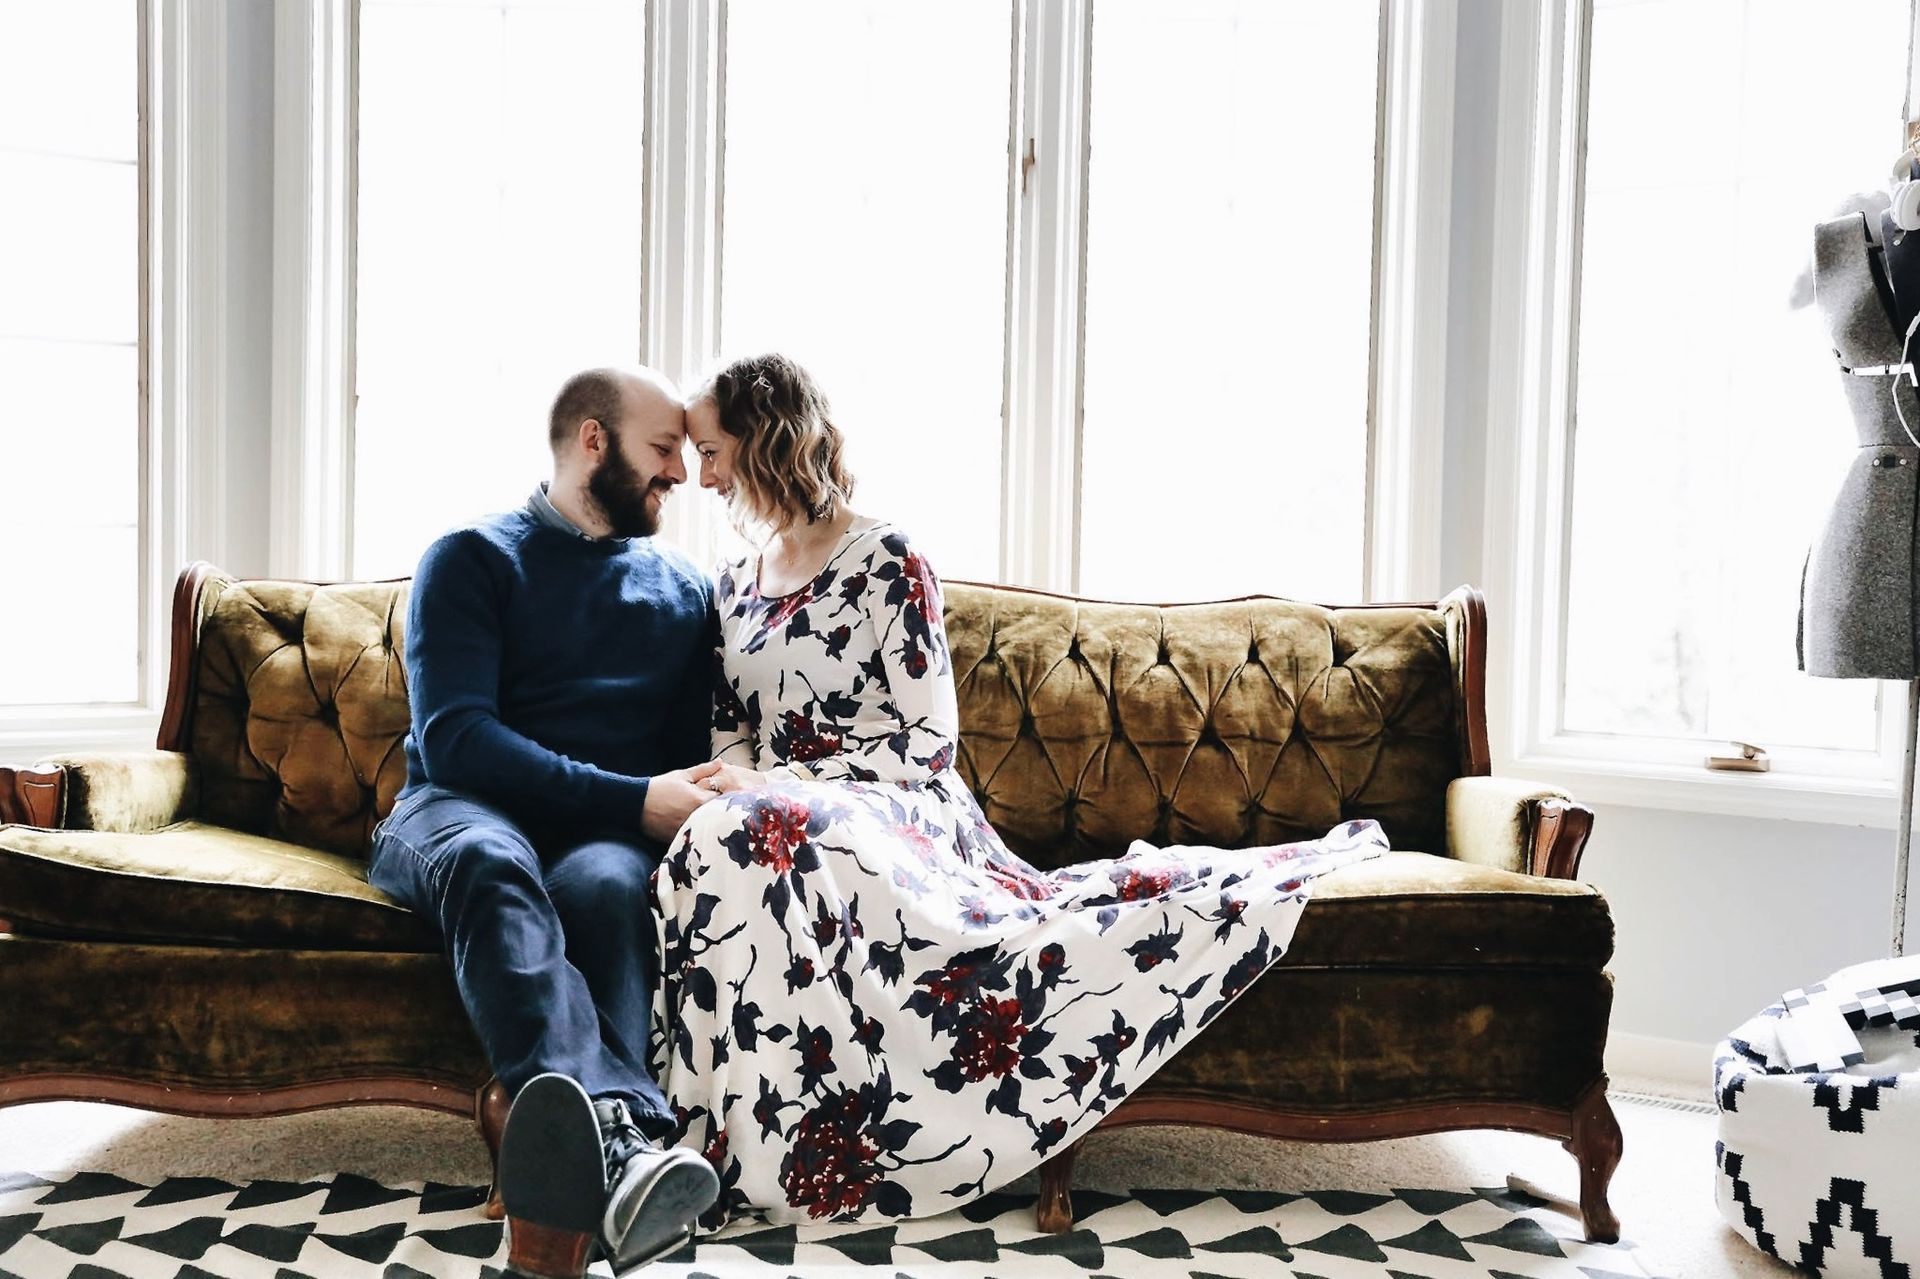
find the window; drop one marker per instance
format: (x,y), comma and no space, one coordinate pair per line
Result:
(71,427)
(912,228)
(498,248)
(864,233)
(1229,300)
(1709,431)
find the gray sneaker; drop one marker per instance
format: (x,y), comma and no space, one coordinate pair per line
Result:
(654,1193)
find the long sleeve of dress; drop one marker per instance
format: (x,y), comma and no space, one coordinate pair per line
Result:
(901,601)
(731,739)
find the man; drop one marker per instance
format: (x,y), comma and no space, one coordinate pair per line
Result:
(557,664)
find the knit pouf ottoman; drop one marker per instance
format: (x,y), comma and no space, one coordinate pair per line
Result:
(1819,1149)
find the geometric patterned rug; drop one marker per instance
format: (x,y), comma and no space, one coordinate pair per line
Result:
(99,1226)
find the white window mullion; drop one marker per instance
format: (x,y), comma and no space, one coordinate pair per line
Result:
(684,145)
(1046,271)
(1414,190)
(312,466)
(1536,170)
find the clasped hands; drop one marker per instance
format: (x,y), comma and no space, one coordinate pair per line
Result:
(672,797)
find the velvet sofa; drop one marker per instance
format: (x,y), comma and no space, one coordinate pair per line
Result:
(190,929)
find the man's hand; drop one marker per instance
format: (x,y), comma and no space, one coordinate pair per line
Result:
(731,777)
(672,797)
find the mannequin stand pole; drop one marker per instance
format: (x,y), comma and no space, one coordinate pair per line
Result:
(1903,851)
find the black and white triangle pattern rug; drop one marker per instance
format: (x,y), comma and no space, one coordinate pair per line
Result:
(99,1226)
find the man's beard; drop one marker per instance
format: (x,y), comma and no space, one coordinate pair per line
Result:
(622,495)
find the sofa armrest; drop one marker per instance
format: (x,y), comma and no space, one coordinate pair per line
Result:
(32,796)
(1517,825)
(126,791)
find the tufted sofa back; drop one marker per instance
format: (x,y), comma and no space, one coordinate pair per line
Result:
(299,707)
(1083,725)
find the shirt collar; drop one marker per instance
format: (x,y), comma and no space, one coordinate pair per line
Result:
(541,507)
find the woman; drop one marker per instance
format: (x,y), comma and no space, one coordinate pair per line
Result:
(870,1007)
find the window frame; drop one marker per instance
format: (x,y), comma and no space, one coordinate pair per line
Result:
(180,108)
(684,153)
(1539,164)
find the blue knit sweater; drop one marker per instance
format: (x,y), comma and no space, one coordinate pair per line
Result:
(552,675)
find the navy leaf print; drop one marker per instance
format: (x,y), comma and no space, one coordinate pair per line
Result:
(1036,1000)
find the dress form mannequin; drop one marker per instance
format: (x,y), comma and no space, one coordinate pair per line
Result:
(1857,615)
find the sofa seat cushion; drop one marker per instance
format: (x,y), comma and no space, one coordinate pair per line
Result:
(1407,909)
(198,883)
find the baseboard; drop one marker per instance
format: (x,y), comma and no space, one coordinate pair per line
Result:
(1664,1067)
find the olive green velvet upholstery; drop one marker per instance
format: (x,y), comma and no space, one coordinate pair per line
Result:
(204,919)
(192,882)
(1085,726)
(300,709)
(1487,819)
(231,1019)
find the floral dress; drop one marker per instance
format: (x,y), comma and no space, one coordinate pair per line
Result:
(869,1006)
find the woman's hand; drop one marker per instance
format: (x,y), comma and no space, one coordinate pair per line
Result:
(672,797)
(726,778)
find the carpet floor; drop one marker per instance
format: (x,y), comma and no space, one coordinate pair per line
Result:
(1663,1191)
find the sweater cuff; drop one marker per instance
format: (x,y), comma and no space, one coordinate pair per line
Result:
(622,798)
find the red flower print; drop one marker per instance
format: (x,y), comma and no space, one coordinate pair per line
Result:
(920,585)
(917,842)
(787,607)
(830,1166)
(805,741)
(775,828)
(989,1039)
(1015,881)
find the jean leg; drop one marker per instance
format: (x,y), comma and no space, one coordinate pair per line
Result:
(463,865)
(603,892)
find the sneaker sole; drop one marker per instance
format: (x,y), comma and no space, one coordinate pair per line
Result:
(552,1179)
(680,1191)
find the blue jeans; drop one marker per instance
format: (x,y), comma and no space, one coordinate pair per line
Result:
(551,934)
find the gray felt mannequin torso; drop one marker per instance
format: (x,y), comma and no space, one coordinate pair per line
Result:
(1857,601)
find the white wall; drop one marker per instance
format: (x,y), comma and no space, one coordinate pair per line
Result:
(1716,916)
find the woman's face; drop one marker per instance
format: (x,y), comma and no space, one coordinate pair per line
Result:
(715,447)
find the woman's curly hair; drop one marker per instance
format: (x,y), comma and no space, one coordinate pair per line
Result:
(789,466)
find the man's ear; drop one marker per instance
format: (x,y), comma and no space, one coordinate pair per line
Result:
(593,436)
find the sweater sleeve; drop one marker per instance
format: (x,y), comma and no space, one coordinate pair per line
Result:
(454,646)
(902,601)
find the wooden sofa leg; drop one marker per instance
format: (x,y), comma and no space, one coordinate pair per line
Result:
(1596,1145)
(1054,1215)
(490,1112)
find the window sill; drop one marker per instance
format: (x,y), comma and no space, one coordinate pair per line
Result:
(26,738)
(1786,796)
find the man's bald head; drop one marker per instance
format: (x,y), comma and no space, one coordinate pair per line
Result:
(610,397)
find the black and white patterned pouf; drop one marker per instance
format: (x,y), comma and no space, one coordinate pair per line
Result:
(1819,1150)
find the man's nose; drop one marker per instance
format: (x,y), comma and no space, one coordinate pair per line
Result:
(677,469)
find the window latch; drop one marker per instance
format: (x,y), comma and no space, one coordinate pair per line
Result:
(1751,759)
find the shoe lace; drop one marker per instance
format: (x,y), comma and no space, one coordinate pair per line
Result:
(620,1137)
